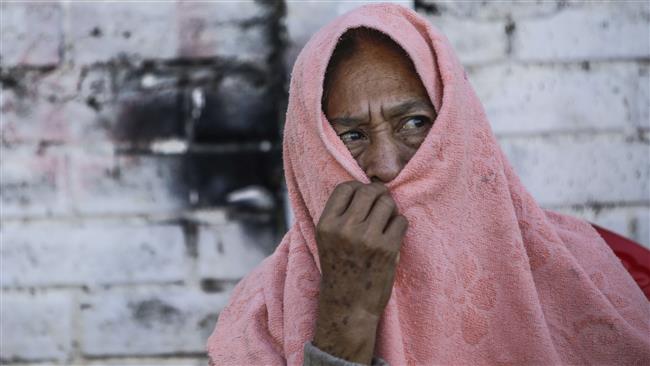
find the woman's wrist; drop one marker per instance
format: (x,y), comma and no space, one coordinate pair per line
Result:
(346,332)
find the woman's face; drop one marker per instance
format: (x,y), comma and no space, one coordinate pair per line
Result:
(378,106)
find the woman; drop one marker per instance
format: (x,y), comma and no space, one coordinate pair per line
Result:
(414,240)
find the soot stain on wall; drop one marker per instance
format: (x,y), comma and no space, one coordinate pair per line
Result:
(232,138)
(151,116)
(237,110)
(154,311)
(226,117)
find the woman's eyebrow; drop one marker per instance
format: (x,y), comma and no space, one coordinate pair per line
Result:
(389,113)
(347,121)
(405,107)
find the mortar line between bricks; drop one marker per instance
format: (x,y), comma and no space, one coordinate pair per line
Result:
(600,205)
(426,8)
(150,285)
(66,61)
(191,260)
(171,218)
(76,329)
(632,132)
(577,62)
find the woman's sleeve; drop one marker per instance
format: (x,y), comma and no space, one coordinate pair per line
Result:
(242,335)
(314,356)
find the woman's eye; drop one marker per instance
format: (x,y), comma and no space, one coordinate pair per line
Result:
(351,136)
(413,123)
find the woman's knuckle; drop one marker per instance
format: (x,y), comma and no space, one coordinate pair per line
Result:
(368,235)
(347,230)
(385,251)
(365,190)
(322,229)
(343,188)
(387,201)
(376,189)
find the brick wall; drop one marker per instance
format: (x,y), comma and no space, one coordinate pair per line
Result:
(125,127)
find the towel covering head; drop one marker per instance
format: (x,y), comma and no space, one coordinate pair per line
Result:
(486,276)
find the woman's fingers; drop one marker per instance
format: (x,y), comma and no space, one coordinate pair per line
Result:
(383,209)
(340,198)
(396,229)
(363,199)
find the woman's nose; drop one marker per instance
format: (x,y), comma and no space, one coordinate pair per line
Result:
(382,161)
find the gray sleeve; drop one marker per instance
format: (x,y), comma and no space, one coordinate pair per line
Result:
(314,356)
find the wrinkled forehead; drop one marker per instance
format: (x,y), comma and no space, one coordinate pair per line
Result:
(394,25)
(364,56)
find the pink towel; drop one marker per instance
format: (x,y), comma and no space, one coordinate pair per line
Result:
(485,275)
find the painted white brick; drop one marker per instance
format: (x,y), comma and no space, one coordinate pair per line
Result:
(52,106)
(222,11)
(631,222)
(304,18)
(23,43)
(95,254)
(250,44)
(561,98)
(103,31)
(33,181)
(599,31)
(35,326)
(142,321)
(494,9)
(101,182)
(567,170)
(109,30)
(36,120)
(474,41)
(231,251)
(212,28)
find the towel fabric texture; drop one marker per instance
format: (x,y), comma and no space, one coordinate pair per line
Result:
(486,276)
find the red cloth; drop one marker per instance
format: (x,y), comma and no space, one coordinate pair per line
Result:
(635,258)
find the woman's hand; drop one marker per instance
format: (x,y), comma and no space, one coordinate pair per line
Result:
(358,236)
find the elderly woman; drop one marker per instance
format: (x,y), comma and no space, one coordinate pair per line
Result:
(414,240)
